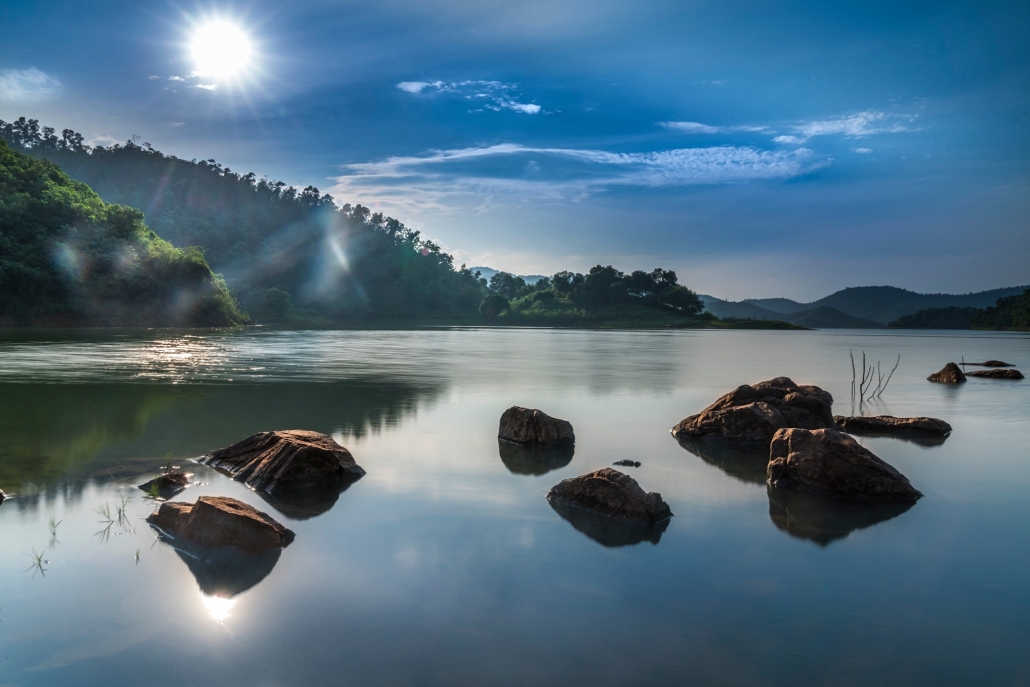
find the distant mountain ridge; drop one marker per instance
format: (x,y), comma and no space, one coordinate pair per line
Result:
(820,317)
(879,304)
(487,272)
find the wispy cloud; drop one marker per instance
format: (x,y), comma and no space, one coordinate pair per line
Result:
(482,95)
(27,85)
(699,128)
(207,86)
(559,174)
(856,125)
(862,151)
(175,78)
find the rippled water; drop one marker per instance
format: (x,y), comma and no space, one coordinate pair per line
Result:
(446,565)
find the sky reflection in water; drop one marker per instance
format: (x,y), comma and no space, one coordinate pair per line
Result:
(446,564)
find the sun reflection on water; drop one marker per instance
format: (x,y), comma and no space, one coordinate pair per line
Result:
(217,608)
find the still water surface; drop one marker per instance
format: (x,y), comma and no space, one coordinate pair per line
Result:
(446,565)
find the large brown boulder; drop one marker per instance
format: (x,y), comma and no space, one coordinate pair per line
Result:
(827,461)
(534,427)
(756,412)
(286,461)
(611,493)
(219,522)
(949,374)
(167,485)
(996,374)
(883,425)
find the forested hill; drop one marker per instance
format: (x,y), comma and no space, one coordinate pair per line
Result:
(279,248)
(68,258)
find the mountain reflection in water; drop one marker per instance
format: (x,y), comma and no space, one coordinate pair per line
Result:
(66,432)
(824,519)
(522,460)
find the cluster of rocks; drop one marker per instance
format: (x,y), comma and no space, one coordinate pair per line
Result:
(953,374)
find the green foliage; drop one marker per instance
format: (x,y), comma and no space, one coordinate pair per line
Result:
(493,305)
(339,263)
(67,257)
(937,318)
(1010,313)
(277,305)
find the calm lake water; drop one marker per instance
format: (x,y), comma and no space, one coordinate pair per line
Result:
(445,565)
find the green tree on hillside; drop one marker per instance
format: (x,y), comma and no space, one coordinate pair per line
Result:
(67,257)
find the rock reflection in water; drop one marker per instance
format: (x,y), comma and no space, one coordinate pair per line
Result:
(824,519)
(523,460)
(912,436)
(303,504)
(226,573)
(610,531)
(747,461)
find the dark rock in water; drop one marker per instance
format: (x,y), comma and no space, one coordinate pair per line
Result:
(627,463)
(167,485)
(226,573)
(530,460)
(996,374)
(612,493)
(744,460)
(3,496)
(535,427)
(991,363)
(826,519)
(608,530)
(886,425)
(949,374)
(216,523)
(286,462)
(830,462)
(756,412)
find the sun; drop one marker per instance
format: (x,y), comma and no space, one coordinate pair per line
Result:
(220,50)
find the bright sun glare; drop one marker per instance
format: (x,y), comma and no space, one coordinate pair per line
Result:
(220,50)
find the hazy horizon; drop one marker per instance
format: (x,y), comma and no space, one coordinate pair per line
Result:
(786,151)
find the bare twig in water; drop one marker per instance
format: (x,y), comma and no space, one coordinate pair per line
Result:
(889,376)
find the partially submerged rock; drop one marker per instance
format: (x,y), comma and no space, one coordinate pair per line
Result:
(534,427)
(826,461)
(756,412)
(219,523)
(611,493)
(949,374)
(886,425)
(531,460)
(991,363)
(996,374)
(167,485)
(627,463)
(825,519)
(3,496)
(286,461)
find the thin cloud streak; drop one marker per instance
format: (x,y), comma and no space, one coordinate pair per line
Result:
(482,95)
(27,85)
(559,174)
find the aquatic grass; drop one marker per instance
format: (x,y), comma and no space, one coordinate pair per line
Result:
(119,517)
(37,562)
(137,557)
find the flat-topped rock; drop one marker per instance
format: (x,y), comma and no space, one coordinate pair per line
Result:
(991,363)
(167,485)
(949,374)
(220,523)
(888,424)
(826,461)
(756,412)
(996,374)
(286,461)
(534,427)
(611,493)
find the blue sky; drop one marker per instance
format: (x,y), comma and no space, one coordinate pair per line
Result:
(758,148)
